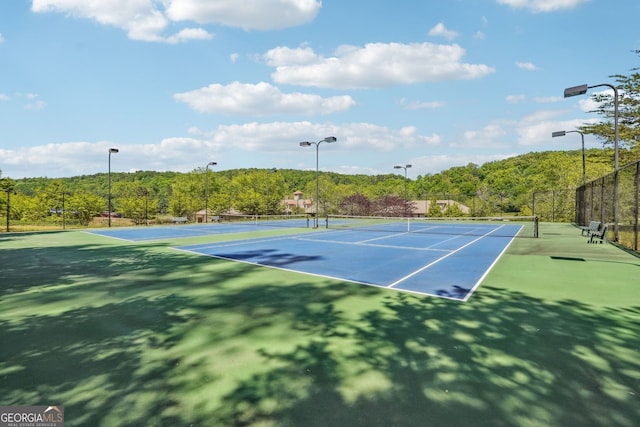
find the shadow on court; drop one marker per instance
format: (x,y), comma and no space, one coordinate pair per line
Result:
(270,257)
(131,335)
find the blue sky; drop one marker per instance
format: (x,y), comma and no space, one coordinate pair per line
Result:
(175,84)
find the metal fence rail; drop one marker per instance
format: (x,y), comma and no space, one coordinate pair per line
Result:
(595,201)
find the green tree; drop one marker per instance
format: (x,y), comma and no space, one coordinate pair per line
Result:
(628,87)
(187,195)
(134,201)
(249,192)
(434,209)
(85,206)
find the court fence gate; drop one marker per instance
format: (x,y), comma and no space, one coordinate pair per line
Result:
(596,201)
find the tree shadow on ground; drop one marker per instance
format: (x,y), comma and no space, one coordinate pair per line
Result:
(133,335)
(505,360)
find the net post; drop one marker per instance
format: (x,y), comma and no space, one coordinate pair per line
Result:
(535,226)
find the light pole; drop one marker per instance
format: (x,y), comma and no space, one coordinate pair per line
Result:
(584,163)
(111,151)
(328,140)
(581,90)
(405,167)
(206,191)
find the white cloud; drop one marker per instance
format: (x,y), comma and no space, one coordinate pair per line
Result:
(36,105)
(260,99)
(479,35)
(421,105)
(536,128)
(1,38)
(259,15)
(4,97)
(139,18)
(514,99)
(547,99)
(149,20)
(441,30)
(33,103)
(489,136)
(187,34)
(529,66)
(587,103)
(538,6)
(374,65)
(228,145)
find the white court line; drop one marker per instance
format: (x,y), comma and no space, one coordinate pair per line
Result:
(473,289)
(397,282)
(231,243)
(340,242)
(107,236)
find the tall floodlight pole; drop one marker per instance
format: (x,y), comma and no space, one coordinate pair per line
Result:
(111,151)
(328,140)
(581,90)
(584,162)
(206,191)
(405,167)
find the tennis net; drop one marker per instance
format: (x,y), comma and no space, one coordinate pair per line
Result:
(507,226)
(267,220)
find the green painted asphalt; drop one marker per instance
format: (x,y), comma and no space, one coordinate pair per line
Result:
(561,265)
(138,334)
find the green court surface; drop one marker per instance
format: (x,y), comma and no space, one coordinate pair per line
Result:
(139,334)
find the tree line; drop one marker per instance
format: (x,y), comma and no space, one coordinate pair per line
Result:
(494,188)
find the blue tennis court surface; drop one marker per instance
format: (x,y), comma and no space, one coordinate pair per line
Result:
(444,265)
(137,234)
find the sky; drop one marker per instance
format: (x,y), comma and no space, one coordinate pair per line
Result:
(176,84)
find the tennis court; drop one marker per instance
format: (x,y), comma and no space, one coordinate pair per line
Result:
(128,333)
(236,224)
(441,259)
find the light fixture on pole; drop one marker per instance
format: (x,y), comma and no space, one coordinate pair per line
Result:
(584,163)
(405,167)
(111,151)
(206,191)
(581,90)
(328,140)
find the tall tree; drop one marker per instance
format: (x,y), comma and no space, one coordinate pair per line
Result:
(86,206)
(628,87)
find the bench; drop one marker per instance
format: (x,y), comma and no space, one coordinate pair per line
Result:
(215,218)
(179,220)
(593,227)
(600,235)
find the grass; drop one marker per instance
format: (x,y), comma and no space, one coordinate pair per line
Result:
(138,334)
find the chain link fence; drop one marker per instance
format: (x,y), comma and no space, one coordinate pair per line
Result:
(554,205)
(599,200)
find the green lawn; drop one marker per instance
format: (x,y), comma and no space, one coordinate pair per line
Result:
(138,334)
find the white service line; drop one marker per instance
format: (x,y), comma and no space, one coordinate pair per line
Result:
(340,242)
(397,282)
